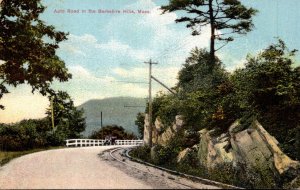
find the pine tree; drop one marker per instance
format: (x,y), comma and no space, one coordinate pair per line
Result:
(225,18)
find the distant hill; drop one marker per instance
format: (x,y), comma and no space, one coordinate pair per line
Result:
(113,111)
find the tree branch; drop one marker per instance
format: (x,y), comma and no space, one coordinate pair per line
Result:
(222,46)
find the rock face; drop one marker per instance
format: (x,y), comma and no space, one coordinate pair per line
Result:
(252,147)
(159,137)
(146,129)
(248,153)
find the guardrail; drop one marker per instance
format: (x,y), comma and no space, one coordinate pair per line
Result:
(129,142)
(100,142)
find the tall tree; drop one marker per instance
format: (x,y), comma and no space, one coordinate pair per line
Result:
(28,47)
(228,16)
(67,118)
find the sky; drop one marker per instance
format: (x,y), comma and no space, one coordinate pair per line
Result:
(106,51)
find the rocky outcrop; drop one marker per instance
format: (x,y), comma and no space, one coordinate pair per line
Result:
(183,155)
(248,153)
(252,149)
(159,135)
(146,129)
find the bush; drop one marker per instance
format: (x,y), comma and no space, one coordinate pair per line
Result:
(112,130)
(163,156)
(30,134)
(142,153)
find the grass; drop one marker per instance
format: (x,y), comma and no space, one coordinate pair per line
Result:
(6,156)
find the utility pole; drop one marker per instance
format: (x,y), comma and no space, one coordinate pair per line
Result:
(102,126)
(150,102)
(52,112)
(101,121)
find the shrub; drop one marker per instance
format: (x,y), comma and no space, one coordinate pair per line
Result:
(142,153)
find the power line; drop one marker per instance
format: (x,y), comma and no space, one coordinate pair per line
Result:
(127,106)
(130,82)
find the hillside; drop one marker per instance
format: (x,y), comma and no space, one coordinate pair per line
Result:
(113,111)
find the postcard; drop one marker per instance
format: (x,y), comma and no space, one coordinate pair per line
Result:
(137,94)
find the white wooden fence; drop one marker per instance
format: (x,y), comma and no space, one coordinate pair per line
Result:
(100,142)
(130,142)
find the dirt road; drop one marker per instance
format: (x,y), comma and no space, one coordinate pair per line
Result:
(72,168)
(85,168)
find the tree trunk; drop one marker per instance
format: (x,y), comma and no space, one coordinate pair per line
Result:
(212,33)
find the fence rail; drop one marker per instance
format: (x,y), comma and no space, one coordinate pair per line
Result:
(100,142)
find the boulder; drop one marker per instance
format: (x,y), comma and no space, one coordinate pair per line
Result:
(183,154)
(158,125)
(166,136)
(252,147)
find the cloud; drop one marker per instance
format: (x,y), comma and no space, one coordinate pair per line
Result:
(117,46)
(78,71)
(139,73)
(100,58)
(167,75)
(231,63)
(236,64)
(86,38)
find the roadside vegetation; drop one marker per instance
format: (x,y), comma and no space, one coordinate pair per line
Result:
(114,131)
(39,133)
(28,136)
(208,96)
(267,89)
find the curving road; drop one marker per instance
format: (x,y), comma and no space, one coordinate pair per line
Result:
(70,168)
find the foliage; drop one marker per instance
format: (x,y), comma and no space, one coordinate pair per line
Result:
(38,133)
(191,165)
(229,16)
(241,176)
(142,153)
(269,89)
(112,130)
(200,95)
(139,122)
(202,90)
(197,74)
(165,106)
(164,156)
(28,47)
(25,135)
(68,120)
